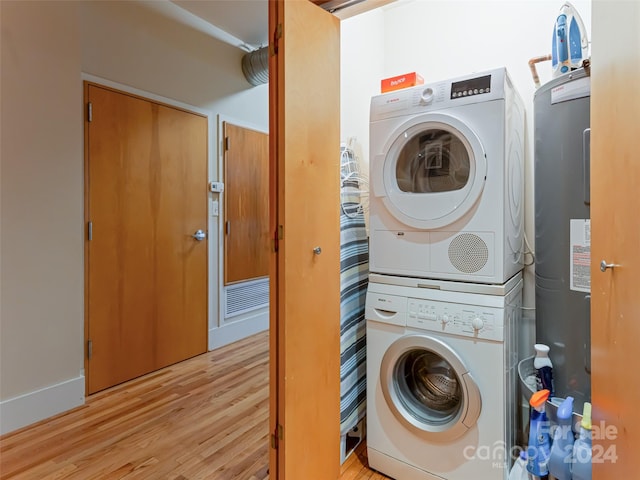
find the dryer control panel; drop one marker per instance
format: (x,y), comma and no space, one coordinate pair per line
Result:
(464,90)
(457,319)
(471,86)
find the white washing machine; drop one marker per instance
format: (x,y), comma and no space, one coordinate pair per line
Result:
(447,175)
(441,378)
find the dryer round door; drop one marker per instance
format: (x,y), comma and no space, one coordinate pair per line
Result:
(432,172)
(428,387)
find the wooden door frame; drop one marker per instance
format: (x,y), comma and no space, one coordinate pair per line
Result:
(275,382)
(211,158)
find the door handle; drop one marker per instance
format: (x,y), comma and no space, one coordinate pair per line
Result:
(199,235)
(604,266)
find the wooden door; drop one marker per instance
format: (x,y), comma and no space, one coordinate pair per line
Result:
(304,134)
(246,204)
(615,178)
(146,194)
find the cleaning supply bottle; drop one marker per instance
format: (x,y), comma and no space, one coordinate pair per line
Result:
(562,447)
(519,469)
(569,45)
(581,469)
(539,442)
(544,368)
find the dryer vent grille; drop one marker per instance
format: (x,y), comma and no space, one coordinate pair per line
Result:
(468,253)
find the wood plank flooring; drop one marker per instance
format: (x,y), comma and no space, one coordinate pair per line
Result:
(204,418)
(356,467)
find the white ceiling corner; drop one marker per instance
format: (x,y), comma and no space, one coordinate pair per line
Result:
(246,21)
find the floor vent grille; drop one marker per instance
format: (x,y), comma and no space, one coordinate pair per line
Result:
(246,296)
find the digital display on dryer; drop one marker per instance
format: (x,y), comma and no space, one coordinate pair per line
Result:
(471,86)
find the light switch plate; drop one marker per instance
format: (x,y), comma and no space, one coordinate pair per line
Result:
(216,187)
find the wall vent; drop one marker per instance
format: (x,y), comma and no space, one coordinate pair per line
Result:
(244,297)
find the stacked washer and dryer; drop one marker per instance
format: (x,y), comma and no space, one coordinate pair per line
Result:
(445,284)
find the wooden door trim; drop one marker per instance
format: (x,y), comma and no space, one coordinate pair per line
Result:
(275,135)
(92,80)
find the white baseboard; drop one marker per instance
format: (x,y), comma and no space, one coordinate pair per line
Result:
(34,406)
(38,405)
(238,329)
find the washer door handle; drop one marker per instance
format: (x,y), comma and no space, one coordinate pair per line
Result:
(474,399)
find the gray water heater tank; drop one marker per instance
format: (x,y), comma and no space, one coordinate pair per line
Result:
(562,230)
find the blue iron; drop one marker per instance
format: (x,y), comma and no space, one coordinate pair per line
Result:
(570,45)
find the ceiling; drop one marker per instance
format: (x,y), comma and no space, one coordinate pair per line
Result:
(244,23)
(246,20)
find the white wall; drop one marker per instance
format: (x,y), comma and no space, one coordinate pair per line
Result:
(42,269)
(446,38)
(361,68)
(131,44)
(46,48)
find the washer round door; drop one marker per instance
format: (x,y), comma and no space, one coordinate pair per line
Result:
(432,172)
(428,387)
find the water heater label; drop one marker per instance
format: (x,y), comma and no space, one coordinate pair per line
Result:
(580,255)
(578,88)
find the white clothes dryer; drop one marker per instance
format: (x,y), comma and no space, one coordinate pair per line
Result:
(441,378)
(447,176)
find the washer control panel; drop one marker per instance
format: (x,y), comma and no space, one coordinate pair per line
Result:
(457,319)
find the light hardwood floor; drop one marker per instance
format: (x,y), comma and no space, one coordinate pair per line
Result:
(356,467)
(204,418)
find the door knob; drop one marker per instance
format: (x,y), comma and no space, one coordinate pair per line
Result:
(604,265)
(199,235)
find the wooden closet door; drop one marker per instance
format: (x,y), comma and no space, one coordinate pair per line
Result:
(304,215)
(615,228)
(246,204)
(146,188)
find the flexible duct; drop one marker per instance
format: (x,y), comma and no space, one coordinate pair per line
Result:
(255,66)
